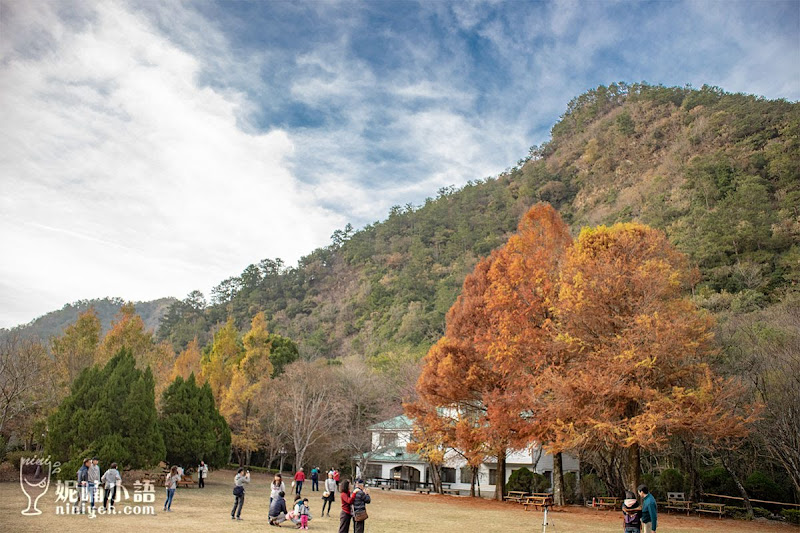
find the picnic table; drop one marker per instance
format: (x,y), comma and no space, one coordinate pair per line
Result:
(186,481)
(677,501)
(713,508)
(516,496)
(608,502)
(538,500)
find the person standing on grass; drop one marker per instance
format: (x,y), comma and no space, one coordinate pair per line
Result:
(83,482)
(314,479)
(299,477)
(631,514)
(93,476)
(649,511)
(360,500)
(171,483)
(202,474)
(110,479)
(241,478)
(276,486)
(336,477)
(346,516)
(330,490)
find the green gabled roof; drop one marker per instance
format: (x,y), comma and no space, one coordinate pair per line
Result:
(398,422)
(396,455)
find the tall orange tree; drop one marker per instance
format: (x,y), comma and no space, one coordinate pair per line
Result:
(498,339)
(520,302)
(460,376)
(636,349)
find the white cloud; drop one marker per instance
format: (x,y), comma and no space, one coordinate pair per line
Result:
(121,175)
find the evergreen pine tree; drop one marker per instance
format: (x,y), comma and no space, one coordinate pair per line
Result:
(191,424)
(110,413)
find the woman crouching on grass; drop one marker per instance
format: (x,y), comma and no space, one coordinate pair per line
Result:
(347,501)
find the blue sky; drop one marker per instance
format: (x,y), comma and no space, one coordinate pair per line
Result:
(149,149)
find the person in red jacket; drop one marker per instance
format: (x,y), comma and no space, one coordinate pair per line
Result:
(299,477)
(347,513)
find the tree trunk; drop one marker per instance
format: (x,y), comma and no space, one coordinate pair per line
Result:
(558,480)
(633,468)
(500,482)
(747,505)
(474,471)
(436,479)
(283,458)
(690,468)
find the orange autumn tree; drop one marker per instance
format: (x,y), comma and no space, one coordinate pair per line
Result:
(636,348)
(498,336)
(520,299)
(458,376)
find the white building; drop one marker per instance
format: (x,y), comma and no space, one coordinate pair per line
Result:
(393,461)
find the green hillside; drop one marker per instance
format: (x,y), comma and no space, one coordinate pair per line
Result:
(54,322)
(718,172)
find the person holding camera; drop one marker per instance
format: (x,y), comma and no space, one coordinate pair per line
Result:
(241,478)
(360,500)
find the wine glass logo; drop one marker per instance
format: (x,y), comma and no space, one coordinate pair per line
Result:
(34,480)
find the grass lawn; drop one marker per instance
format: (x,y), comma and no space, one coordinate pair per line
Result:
(390,512)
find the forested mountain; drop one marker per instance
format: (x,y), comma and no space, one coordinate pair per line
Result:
(718,172)
(54,322)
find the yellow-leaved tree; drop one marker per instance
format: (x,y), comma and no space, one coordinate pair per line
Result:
(248,379)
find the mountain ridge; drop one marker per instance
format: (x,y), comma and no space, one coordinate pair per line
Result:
(719,173)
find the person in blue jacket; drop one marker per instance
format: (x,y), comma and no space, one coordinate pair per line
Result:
(649,511)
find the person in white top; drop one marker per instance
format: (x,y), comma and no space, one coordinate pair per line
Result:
(202,474)
(171,483)
(330,490)
(277,487)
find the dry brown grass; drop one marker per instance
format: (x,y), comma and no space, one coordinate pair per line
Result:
(390,512)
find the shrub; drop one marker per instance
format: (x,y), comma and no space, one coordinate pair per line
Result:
(571,487)
(592,486)
(671,480)
(540,483)
(14,457)
(740,513)
(717,481)
(762,487)
(521,479)
(9,472)
(791,515)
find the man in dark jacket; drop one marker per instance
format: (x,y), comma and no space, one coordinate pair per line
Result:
(83,485)
(277,509)
(360,501)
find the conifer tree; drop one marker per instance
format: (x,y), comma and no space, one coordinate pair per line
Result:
(192,427)
(110,413)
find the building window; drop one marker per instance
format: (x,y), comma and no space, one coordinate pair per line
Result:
(448,475)
(388,440)
(373,471)
(492,476)
(466,474)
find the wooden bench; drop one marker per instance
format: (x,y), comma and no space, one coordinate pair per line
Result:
(712,508)
(424,490)
(607,502)
(537,502)
(516,496)
(186,481)
(452,492)
(677,501)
